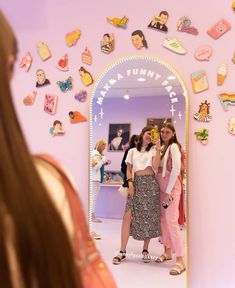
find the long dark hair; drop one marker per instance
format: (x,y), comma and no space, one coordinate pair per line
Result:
(28,219)
(140,140)
(141,34)
(133,140)
(172,140)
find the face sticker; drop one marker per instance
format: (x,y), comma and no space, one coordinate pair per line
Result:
(107,43)
(118,22)
(86,76)
(203,113)
(57,129)
(202,135)
(138,39)
(43,51)
(63,63)
(26,62)
(159,22)
(76,117)
(41,78)
(65,85)
(29,100)
(73,37)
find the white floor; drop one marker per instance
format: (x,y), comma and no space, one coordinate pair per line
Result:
(133,272)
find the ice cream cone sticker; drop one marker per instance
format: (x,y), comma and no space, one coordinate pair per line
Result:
(221,74)
(227,99)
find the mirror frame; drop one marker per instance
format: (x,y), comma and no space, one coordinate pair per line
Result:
(185,94)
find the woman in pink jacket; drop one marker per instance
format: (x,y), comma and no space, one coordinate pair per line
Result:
(170,187)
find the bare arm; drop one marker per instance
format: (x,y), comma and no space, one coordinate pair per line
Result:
(157,157)
(129,178)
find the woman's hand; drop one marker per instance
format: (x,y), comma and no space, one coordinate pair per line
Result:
(131,189)
(168,198)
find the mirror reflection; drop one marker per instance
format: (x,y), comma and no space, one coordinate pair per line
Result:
(138,183)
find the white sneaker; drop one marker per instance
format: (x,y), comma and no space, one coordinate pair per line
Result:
(95,235)
(173,45)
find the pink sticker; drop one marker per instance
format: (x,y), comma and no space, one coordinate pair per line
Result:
(219,28)
(203,53)
(50,103)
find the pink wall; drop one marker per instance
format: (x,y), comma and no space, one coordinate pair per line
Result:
(211,167)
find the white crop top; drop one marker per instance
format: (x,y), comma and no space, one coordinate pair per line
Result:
(140,160)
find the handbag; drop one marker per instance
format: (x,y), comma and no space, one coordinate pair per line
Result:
(93,270)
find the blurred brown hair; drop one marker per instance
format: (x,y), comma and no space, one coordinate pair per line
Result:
(43,249)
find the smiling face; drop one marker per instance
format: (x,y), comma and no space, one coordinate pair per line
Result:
(147,137)
(41,77)
(163,18)
(166,134)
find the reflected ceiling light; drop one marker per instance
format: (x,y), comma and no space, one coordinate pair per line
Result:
(126,96)
(141,79)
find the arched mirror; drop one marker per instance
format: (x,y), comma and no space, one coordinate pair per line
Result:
(131,93)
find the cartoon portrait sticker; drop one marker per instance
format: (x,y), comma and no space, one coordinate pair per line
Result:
(76,117)
(41,78)
(107,43)
(86,76)
(159,22)
(57,129)
(203,113)
(138,39)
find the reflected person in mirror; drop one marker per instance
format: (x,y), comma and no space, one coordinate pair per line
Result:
(168,177)
(132,144)
(98,160)
(142,212)
(44,238)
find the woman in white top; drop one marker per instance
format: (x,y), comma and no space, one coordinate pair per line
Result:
(170,186)
(142,213)
(98,159)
